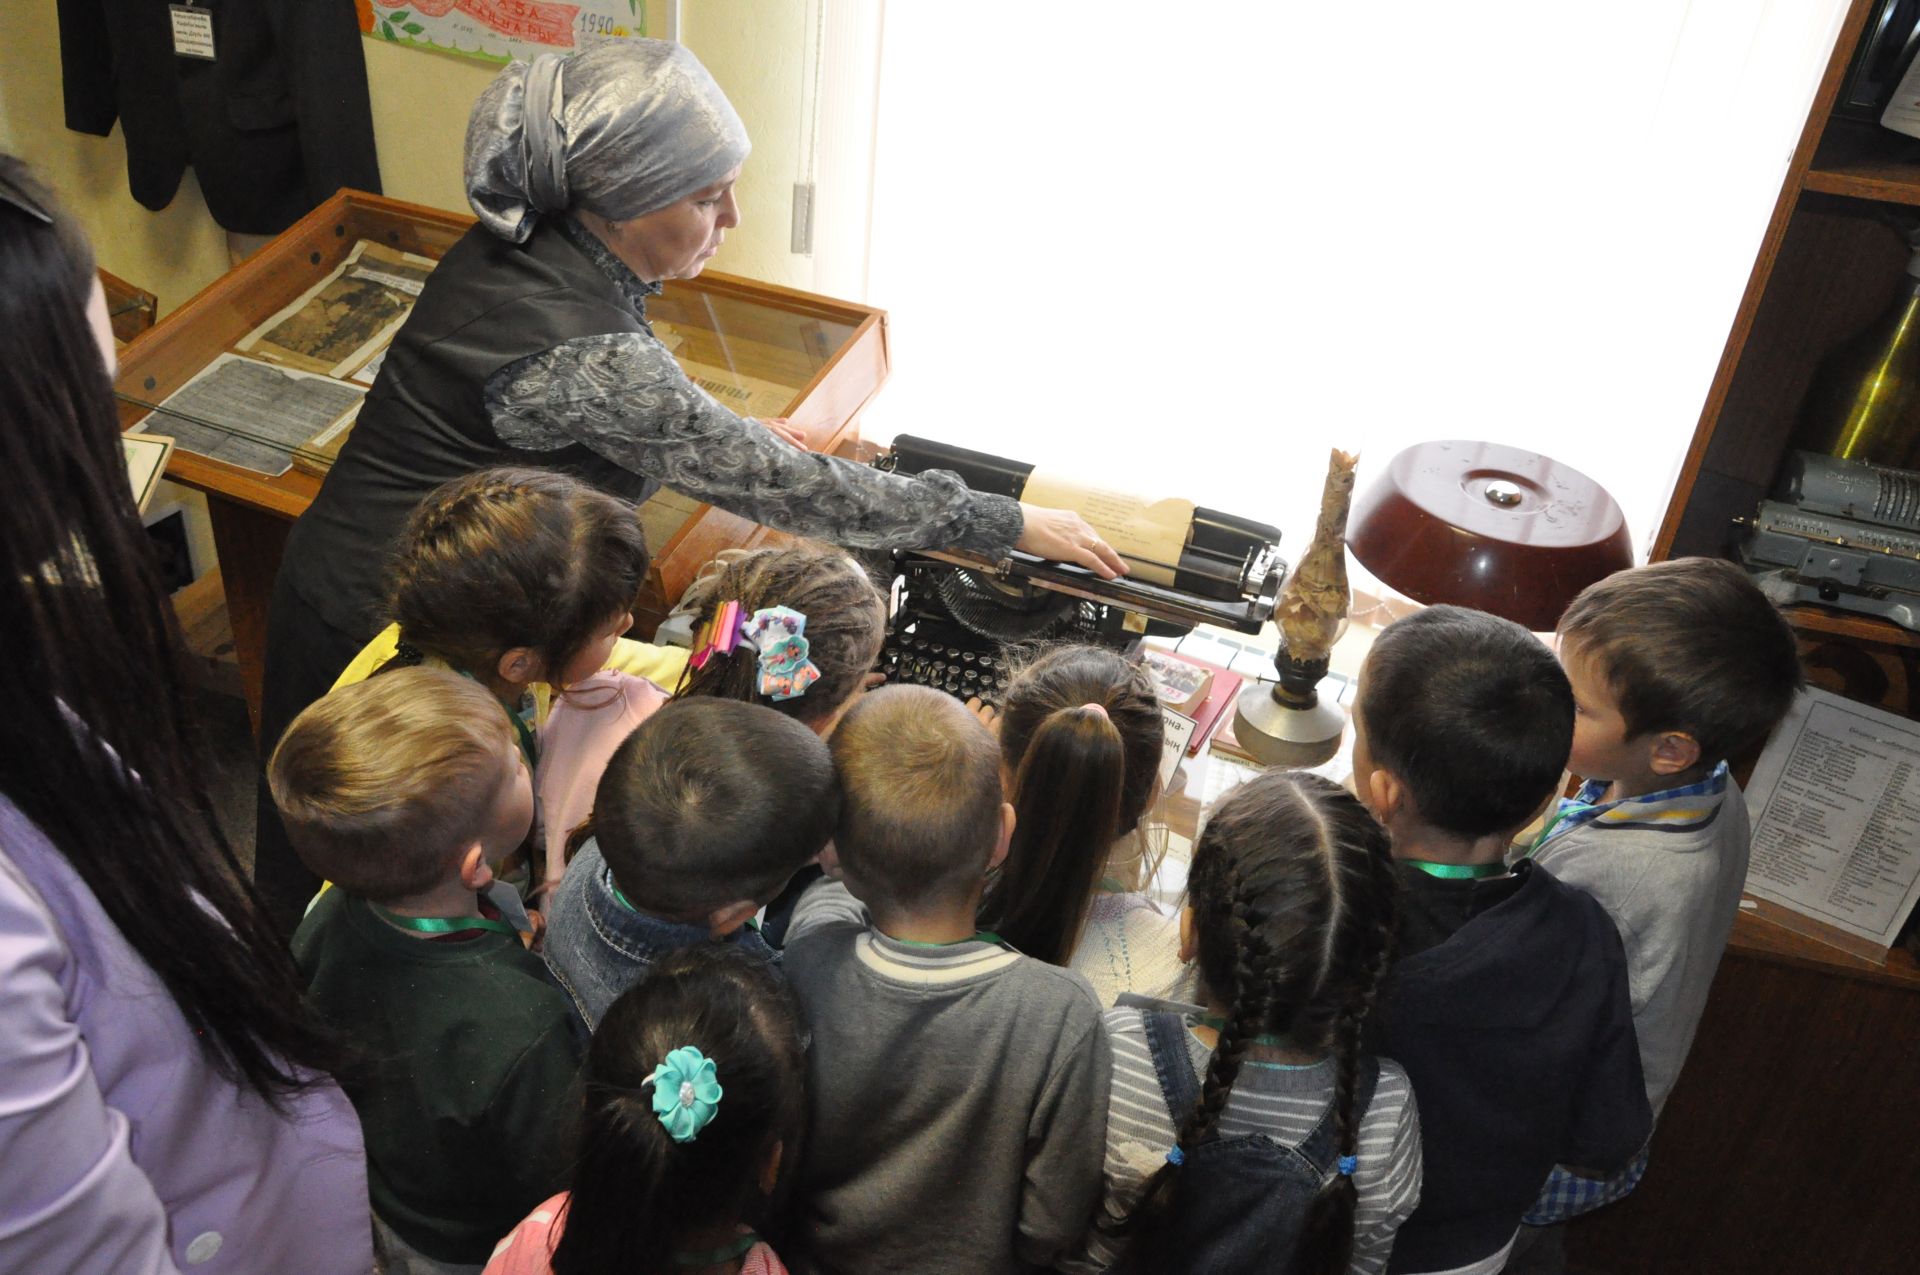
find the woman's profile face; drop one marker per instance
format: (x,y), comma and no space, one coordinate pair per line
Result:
(677,241)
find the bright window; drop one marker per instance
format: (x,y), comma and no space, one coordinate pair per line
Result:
(1189,247)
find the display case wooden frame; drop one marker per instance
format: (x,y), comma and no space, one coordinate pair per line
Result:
(832,354)
(130,309)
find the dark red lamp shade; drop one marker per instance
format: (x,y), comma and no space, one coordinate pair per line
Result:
(1489,527)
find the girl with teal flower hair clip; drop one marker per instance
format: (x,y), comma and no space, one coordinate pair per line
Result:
(686,1092)
(677,1172)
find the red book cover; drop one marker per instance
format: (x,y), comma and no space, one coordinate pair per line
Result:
(1217,707)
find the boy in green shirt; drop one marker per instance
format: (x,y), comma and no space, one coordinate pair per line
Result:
(401,790)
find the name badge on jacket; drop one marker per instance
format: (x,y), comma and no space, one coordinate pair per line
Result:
(192,31)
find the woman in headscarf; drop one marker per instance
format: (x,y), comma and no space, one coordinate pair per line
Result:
(596,177)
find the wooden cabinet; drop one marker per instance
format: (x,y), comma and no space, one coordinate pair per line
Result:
(761,349)
(1832,259)
(1792,1140)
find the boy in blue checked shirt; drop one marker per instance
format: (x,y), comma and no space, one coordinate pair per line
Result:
(1675,667)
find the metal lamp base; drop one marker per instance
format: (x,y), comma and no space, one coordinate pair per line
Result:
(1279,735)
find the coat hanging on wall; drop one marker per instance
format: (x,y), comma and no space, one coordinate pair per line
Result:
(274,122)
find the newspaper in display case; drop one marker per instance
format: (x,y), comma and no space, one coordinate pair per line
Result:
(344,322)
(252,414)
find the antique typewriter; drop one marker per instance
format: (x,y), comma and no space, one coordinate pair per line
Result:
(956,618)
(1841,533)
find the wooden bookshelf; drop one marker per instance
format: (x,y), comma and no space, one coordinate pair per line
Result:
(1865,161)
(1849,624)
(1788,1143)
(1763,939)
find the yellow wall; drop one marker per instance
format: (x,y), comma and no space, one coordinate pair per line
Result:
(420,104)
(757,50)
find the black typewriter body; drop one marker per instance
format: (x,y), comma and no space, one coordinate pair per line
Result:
(958,629)
(956,620)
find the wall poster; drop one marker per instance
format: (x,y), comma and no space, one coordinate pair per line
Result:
(501,30)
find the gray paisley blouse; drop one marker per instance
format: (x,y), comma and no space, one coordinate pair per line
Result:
(622,395)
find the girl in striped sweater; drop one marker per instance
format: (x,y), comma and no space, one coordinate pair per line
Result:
(1257,1136)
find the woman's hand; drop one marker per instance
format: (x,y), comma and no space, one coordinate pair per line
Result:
(1064,536)
(785,429)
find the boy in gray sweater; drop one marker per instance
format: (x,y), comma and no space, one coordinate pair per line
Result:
(1675,667)
(958,1089)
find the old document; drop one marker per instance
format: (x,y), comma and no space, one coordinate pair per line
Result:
(252,414)
(347,319)
(1149,534)
(1835,806)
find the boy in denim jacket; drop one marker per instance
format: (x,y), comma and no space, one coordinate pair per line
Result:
(703,815)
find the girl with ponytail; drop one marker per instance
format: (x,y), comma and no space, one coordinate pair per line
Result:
(1081,737)
(1260,1137)
(694,1107)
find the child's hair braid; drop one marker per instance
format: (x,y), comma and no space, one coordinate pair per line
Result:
(1293,895)
(506,558)
(1326,1237)
(846,622)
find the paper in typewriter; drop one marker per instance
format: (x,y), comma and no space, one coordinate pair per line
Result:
(1835,807)
(1148,533)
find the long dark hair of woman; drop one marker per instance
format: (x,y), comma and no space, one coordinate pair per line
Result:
(100,754)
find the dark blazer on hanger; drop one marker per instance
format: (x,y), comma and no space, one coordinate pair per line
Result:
(275,124)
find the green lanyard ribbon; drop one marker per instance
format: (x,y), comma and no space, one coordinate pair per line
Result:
(1457,871)
(979,936)
(1219,1024)
(528,748)
(442,924)
(1568,810)
(714,1257)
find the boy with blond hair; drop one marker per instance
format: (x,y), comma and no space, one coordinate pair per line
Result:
(1675,668)
(958,1089)
(401,790)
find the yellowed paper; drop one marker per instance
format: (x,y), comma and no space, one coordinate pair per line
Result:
(347,318)
(1149,534)
(742,395)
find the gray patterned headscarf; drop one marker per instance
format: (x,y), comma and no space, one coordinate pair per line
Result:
(620,129)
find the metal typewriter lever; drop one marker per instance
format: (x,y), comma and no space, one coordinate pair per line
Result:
(1159,602)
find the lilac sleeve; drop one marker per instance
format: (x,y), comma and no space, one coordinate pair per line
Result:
(71,1197)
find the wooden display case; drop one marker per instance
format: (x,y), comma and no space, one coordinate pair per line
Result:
(762,349)
(130,310)
(1788,1142)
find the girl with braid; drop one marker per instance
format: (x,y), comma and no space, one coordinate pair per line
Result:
(1258,1136)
